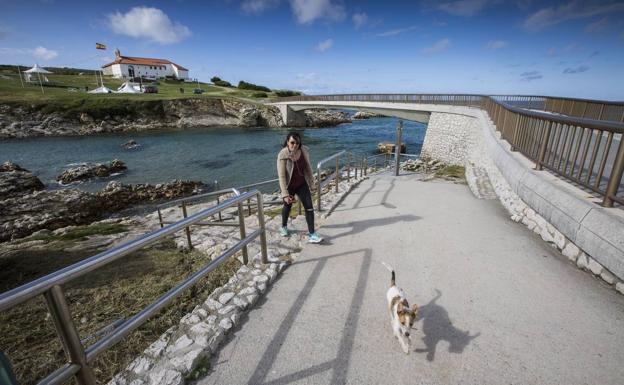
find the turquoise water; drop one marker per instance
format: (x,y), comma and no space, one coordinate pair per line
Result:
(233,156)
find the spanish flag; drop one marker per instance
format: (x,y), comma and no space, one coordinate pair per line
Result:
(100,46)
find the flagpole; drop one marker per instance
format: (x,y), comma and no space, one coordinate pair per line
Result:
(20,75)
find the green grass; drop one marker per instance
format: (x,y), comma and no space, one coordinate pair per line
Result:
(115,291)
(69,90)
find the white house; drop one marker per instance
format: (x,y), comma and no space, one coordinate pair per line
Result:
(129,67)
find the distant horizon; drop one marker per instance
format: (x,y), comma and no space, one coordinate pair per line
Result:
(565,48)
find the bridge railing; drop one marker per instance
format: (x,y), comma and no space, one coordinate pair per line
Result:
(79,357)
(585,151)
(589,152)
(581,108)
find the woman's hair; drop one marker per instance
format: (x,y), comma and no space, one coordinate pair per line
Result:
(295,136)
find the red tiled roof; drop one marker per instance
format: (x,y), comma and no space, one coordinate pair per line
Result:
(143,61)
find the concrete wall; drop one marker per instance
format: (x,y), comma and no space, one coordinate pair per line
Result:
(449,137)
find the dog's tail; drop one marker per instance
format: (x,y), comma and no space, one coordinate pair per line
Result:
(391,271)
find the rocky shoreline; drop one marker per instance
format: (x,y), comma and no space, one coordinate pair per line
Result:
(22,121)
(26,207)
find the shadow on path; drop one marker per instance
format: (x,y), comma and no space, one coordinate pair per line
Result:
(339,365)
(437,326)
(358,227)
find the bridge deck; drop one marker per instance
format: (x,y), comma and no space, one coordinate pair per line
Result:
(498,305)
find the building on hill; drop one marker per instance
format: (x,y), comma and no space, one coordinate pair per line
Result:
(130,67)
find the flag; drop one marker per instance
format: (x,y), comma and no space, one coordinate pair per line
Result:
(100,46)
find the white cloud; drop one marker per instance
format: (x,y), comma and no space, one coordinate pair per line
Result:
(398,31)
(307,11)
(550,16)
(40,53)
(258,6)
(530,76)
(44,53)
(150,23)
(496,44)
(360,19)
(439,46)
(324,45)
(463,7)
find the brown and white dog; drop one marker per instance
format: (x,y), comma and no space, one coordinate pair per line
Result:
(402,316)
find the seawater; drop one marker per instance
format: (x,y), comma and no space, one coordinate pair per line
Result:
(231,156)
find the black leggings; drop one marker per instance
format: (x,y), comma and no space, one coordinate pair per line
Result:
(305,197)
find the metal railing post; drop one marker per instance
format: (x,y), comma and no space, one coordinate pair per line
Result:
(263,241)
(616,176)
(397,152)
(365,166)
(318,189)
(187,229)
(160,219)
(544,144)
(337,172)
(241,225)
(68,334)
(349,168)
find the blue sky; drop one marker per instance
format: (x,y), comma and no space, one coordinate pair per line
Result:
(559,48)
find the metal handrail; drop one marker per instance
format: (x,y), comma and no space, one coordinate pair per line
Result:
(318,175)
(50,286)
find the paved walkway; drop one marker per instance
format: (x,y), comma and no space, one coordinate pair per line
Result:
(498,305)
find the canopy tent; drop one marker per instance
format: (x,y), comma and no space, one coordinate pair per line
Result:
(128,88)
(101,90)
(37,70)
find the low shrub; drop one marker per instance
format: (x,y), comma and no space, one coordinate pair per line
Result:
(286,93)
(260,95)
(254,87)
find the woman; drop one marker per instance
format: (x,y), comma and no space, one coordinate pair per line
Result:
(295,178)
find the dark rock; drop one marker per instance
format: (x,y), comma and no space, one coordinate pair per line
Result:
(119,196)
(26,214)
(130,145)
(16,181)
(89,171)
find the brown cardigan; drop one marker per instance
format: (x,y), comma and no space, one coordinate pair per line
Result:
(285,168)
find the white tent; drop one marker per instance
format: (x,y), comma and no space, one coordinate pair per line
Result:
(128,88)
(37,70)
(101,90)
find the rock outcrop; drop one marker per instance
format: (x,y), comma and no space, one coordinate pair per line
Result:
(16,181)
(118,196)
(23,215)
(325,118)
(365,115)
(89,171)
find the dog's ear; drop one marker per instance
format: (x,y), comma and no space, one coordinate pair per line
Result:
(415,309)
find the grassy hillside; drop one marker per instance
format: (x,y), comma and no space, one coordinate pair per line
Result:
(70,89)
